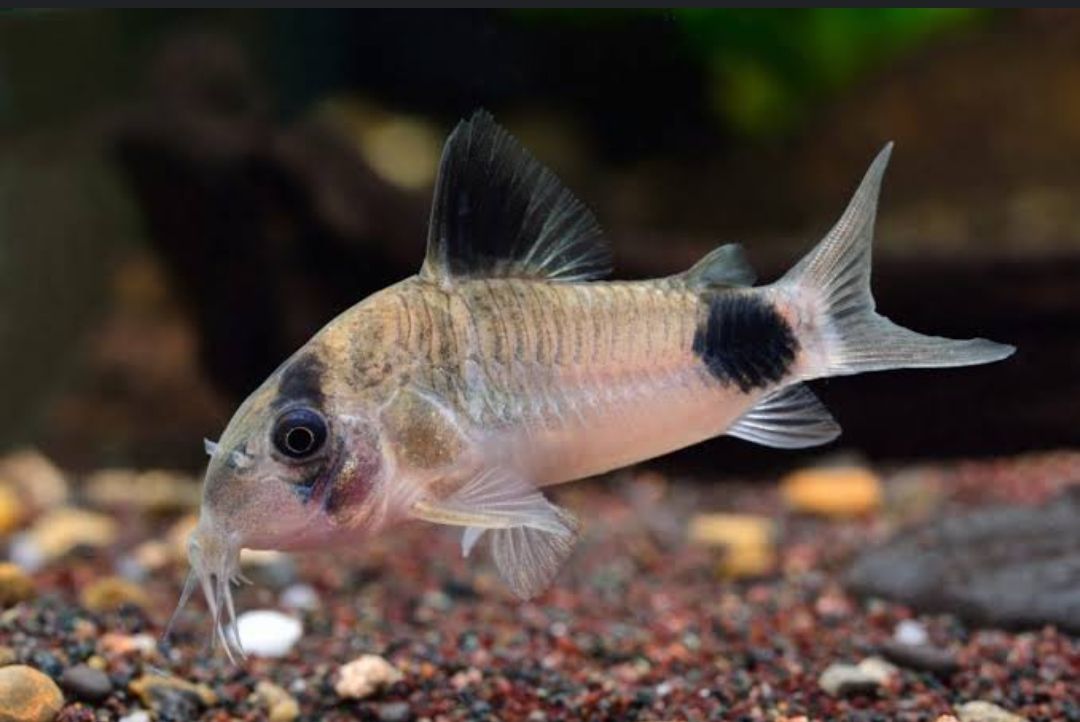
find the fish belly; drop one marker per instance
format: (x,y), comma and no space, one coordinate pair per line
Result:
(655,417)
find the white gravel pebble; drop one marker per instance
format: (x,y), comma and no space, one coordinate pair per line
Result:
(364,676)
(980,711)
(25,552)
(139,715)
(300,596)
(267,633)
(840,680)
(911,633)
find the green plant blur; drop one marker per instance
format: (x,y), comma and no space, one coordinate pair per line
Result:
(766,68)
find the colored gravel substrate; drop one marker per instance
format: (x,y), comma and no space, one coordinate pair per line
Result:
(644,623)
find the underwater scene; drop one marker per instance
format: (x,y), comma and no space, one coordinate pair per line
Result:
(540,364)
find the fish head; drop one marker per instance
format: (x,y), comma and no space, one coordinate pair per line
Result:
(293,469)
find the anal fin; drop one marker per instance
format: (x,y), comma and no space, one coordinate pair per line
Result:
(469,538)
(788,418)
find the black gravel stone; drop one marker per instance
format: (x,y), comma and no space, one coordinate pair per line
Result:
(86,683)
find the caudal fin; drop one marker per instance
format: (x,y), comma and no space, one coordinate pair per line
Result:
(830,290)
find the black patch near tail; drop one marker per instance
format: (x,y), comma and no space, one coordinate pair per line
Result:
(744,341)
(302,381)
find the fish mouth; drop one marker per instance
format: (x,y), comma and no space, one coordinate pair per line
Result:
(214,556)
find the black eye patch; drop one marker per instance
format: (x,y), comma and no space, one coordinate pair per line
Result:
(299,433)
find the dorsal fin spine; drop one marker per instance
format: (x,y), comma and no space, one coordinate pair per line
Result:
(498,212)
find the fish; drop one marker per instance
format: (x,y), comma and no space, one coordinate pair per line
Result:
(506,365)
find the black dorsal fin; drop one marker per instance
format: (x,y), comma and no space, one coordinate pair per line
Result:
(498,212)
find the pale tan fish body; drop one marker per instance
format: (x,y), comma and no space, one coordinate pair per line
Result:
(569,380)
(504,367)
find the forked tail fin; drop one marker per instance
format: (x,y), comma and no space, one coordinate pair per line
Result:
(829,293)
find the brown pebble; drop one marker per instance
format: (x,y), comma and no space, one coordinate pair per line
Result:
(112,593)
(28,695)
(7,656)
(15,585)
(150,687)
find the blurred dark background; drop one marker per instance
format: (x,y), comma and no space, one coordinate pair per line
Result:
(186,196)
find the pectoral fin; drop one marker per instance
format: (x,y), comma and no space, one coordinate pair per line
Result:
(530,537)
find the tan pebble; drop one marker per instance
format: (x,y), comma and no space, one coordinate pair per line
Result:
(279,704)
(843,679)
(28,695)
(747,541)
(946,718)
(12,510)
(878,668)
(979,711)
(364,676)
(7,656)
(153,555)
(465,678)
(261,557)
(149,686)
(284,711)
(116,644)
(15,585)
(96,662)
(64,529)
(179,533)
(36,479)
(84,630)
(154,491)
(835,492)
(111,593)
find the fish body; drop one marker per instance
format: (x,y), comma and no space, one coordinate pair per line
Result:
(560,381)
(504,367)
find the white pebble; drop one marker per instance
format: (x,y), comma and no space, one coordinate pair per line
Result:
(266,633)
(26,552)
(911,633)
(139,715)
(300,596)
(130,568)
(843,679)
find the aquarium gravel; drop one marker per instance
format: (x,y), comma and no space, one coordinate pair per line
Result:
(643,624)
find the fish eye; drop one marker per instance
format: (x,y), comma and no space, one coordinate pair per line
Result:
(299,433)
